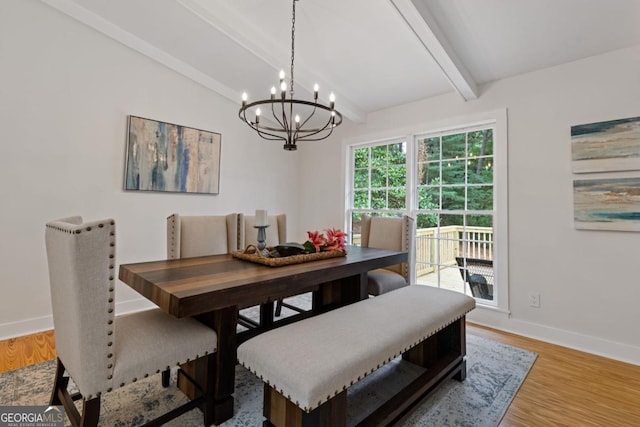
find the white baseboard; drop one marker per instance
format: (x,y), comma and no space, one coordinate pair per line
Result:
(482,316)
(589,344)
(45,323)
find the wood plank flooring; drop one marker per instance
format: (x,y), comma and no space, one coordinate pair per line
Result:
(564,388)
(27,350)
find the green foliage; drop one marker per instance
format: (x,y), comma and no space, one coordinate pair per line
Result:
(381,173)
(446,165)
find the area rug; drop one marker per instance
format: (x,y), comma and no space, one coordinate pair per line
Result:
(495,372)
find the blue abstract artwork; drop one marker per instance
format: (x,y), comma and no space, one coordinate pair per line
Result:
(167,157)
(607,204)
(613,145)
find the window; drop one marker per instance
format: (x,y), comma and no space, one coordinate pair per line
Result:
(454,211)
(379,184)
(453,182)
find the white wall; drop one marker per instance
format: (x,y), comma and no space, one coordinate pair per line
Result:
(588,283)
(65,93)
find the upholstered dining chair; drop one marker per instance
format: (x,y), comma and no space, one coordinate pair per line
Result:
(192,236)
(276,233)
(102,352)
(391,233)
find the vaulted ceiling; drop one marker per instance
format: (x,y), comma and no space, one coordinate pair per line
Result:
(373,54)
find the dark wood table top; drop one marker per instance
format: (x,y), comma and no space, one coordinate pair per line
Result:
(191,286)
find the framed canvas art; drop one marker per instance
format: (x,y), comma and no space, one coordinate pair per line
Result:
(607,204)
(613,145)
(168,157)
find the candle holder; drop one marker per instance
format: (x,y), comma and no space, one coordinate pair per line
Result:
(262,237)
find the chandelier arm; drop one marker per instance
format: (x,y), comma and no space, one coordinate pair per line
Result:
(273,113)
(270,137)
(306,138)
(287,123)
(266,135)
(261,132)
(313,132)
(315,107)
(328,126)
(325,128)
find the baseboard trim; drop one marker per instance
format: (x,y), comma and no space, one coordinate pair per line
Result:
(45,323)
(485,317)
(589,344)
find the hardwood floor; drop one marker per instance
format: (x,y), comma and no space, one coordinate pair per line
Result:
(27,350)
(564,388)
(570,388)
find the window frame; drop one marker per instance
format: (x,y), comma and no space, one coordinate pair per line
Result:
(497,120)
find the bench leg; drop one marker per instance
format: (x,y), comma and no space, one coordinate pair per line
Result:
(462,374)
(448,341)
(281,412)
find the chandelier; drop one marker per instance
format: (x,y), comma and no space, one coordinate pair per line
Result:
(291,120)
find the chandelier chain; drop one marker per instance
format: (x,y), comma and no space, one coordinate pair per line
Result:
(293,39)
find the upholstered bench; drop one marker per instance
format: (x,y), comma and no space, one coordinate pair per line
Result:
(307,366)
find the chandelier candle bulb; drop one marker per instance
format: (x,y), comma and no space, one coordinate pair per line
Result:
(316,88)
(244,99)
(273,92)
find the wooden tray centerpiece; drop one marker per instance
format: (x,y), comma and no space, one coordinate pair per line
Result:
(318,247)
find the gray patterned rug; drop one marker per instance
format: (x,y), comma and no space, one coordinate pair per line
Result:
(494,373)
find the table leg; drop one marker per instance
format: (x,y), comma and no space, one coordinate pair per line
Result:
(266,314)
(221,376)
(341,292)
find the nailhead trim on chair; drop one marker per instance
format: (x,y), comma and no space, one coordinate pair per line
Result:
(112,245)
(172,221)
(239,244)
(407,236)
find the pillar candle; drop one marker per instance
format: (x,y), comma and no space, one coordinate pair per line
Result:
(261,217)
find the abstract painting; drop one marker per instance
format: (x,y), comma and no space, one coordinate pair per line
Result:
(613,145)
(607,204)
(167,157)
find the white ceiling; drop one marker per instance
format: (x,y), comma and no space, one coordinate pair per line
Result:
(373,54)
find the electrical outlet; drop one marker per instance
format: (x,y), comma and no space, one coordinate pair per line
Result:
(534,299)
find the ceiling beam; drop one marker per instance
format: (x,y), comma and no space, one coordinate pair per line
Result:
(421,21)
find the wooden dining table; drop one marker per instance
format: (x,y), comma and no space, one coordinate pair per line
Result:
(213,289)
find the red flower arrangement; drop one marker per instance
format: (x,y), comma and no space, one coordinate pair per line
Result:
(318,242)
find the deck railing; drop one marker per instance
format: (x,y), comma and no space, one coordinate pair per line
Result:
(438,247)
